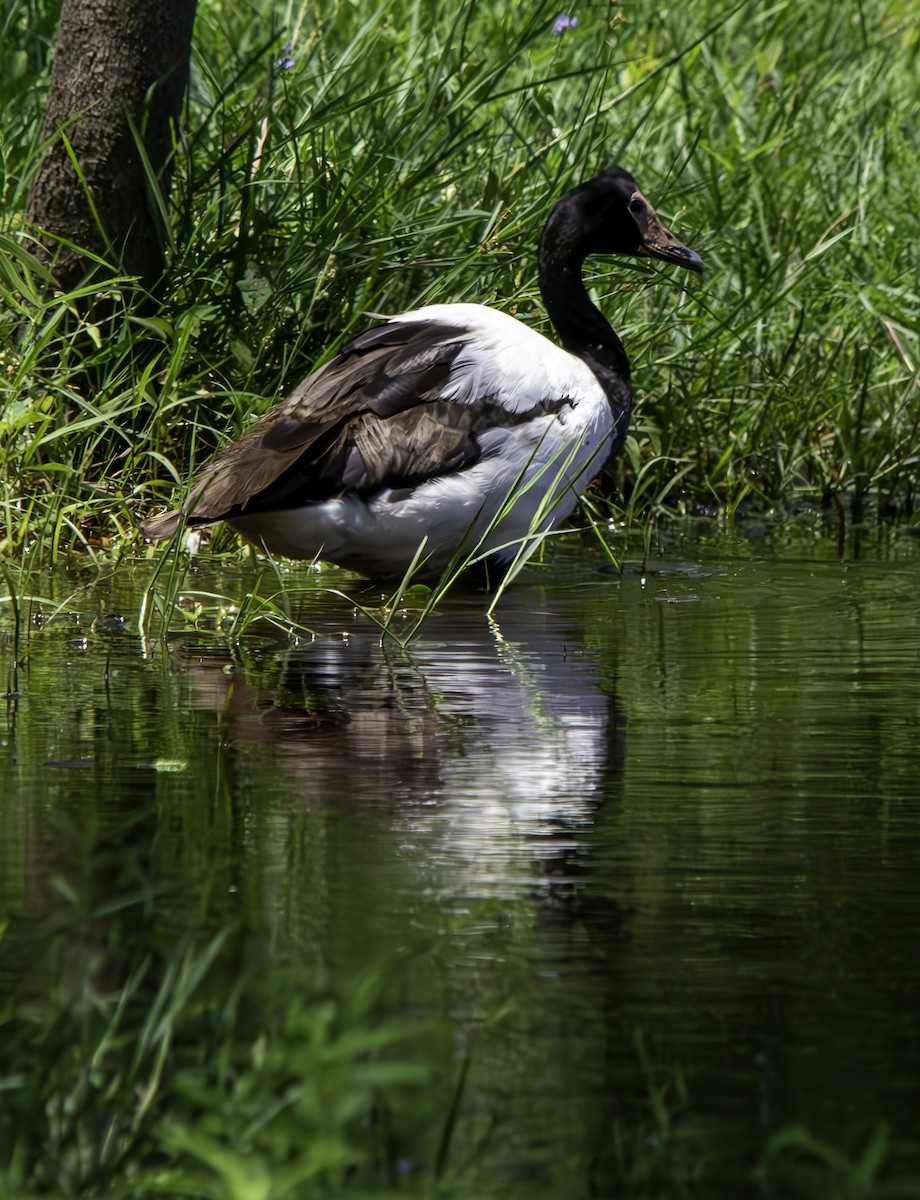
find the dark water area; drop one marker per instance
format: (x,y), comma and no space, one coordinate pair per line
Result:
(645,846)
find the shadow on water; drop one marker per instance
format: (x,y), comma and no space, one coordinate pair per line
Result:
(438,917)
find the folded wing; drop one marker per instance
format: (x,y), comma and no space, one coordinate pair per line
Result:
(399,404)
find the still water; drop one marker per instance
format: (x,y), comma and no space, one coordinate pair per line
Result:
(648,843)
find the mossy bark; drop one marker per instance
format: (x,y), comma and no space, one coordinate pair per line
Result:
(119,77)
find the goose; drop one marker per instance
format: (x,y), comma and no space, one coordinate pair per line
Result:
(450,431)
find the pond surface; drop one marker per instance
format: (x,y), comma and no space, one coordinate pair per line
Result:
(646,846)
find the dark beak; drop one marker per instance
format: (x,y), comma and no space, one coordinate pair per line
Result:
(658,242)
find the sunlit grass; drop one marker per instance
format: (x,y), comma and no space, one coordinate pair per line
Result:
(409,155)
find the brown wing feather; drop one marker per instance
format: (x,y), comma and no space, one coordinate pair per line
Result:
(368,452)
(369,417)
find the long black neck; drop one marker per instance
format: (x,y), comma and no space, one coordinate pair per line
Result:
(581,326)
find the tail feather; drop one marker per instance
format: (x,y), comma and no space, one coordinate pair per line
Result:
(164,525)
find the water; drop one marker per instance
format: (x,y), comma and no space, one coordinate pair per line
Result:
(648,843)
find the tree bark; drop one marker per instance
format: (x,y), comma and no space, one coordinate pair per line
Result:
(119,76)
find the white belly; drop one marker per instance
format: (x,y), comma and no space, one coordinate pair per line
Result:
(527,482)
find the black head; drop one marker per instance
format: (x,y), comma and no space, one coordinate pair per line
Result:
(609,215)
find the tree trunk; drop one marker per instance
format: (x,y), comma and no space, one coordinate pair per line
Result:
(119,77)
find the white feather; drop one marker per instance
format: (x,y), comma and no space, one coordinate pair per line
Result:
(506,360)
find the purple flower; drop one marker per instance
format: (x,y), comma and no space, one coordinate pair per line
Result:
(285,62)
(563,22)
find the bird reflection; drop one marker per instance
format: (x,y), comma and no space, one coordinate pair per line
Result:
(495,741)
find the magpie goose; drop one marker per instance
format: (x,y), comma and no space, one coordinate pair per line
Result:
(449,430)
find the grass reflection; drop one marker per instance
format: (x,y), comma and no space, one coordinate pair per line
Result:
(133,1067)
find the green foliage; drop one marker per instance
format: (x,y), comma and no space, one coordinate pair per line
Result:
(803,1165)
(155,1070)
(338,162)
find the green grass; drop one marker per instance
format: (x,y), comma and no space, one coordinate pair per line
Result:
(154,1046)
(153,1063)
(409,155)
(194,1078)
